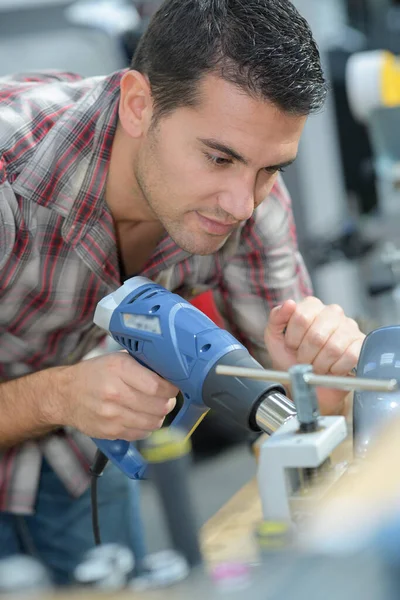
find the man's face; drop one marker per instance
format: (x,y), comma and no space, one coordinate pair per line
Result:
(204,170)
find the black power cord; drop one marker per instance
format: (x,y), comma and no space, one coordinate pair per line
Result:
(96,470)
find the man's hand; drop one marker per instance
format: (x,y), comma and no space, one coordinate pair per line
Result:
(113,397)
(311,333)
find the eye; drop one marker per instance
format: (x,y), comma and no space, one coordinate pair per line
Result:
(273,170)
(218,161)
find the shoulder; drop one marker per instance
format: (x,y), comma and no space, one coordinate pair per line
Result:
(30,105)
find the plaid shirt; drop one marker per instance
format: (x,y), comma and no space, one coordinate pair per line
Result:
(58,255)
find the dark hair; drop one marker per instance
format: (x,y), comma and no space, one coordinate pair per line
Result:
(263,46)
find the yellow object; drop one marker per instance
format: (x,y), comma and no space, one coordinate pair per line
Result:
(390,80)
(272,528)
(166,444)
(195,426)
(273,535)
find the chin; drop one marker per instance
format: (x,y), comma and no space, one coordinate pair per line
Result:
(198,244)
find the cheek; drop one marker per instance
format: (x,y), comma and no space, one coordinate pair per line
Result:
(177,157)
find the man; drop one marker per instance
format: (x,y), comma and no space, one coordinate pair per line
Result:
(170,170)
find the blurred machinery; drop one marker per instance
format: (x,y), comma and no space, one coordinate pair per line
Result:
(373,90)
(344,183)
(82,36)
(373,86)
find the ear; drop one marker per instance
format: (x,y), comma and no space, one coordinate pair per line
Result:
(136,104)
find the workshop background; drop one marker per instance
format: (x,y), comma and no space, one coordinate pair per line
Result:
(345,184)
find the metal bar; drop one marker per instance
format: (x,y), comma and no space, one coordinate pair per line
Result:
(329,381)
(351,383)
(263,374)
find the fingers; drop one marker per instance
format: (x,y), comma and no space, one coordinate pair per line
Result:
(332,344)
(301,320)
(320,335)
(348,360)
(143,380)
(129,424)
(279,317)
(148,405)
(320,329)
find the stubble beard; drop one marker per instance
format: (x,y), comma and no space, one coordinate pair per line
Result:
(175,228)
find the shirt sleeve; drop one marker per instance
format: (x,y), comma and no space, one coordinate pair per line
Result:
(266,270)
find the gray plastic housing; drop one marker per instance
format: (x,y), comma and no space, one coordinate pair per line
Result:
(238,397)
(379,359)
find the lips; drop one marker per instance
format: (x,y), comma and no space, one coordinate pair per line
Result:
(214,227)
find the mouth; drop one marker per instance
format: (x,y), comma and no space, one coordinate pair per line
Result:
(215,227)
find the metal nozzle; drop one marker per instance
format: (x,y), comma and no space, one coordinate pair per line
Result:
(273,412)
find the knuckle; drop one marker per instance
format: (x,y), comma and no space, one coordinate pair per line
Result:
(316,338)
(334,352)
(336,308)
(336,369)
(111,393)
(352,355)
(352,325)
(153,386)
(318,368)
(313,300)
(107,411)
(300,319)
(166,406)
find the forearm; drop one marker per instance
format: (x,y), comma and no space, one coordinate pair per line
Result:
(29,406)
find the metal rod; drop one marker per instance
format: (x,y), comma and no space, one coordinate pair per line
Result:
(351,383)
(329,381)
(262,374)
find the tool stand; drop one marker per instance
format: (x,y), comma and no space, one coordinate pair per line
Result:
(285,454)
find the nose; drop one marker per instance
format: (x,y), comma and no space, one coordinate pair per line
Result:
(238,200)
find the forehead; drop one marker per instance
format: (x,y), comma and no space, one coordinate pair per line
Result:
(226,110)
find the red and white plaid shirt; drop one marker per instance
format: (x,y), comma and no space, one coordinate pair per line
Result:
(58,255)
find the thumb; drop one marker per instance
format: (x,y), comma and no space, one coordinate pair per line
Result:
(280,316)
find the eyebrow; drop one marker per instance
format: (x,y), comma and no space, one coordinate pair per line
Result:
(215,145)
